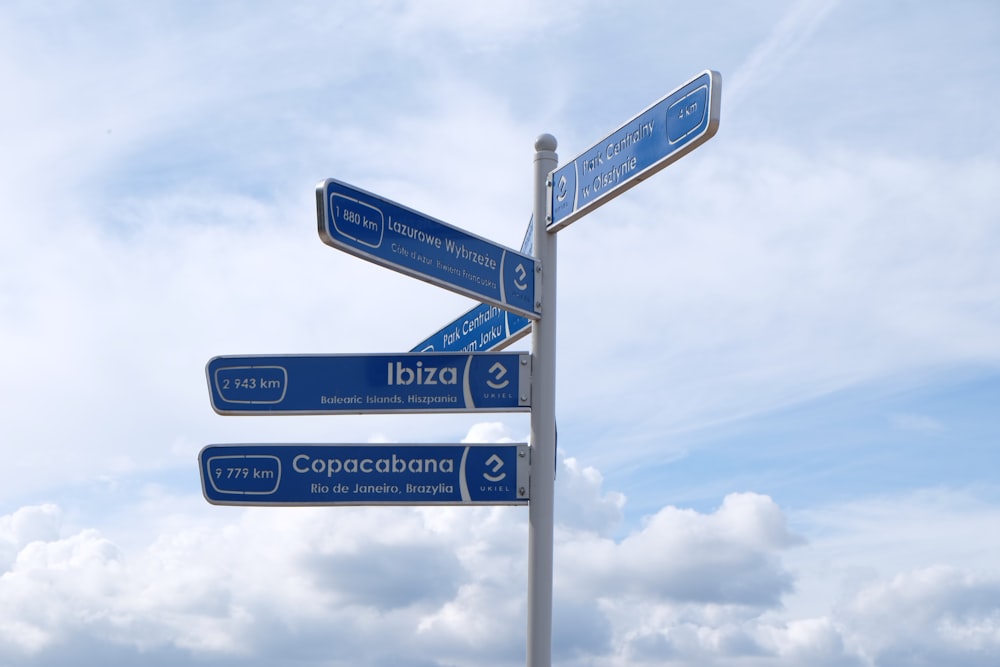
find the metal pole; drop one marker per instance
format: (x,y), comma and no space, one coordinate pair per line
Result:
(543,421)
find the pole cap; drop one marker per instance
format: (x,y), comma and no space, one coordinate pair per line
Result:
(545,142)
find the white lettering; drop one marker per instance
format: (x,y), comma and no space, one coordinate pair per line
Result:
(398,374)
(406,230)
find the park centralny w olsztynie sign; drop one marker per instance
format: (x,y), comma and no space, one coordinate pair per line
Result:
(455,369)
(662,134)
(668,129)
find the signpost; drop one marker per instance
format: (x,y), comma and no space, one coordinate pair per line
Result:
(368,384)
(450,371)
(365,474)
(665,132)
(391,235)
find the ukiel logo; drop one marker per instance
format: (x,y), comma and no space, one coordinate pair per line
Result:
(496,463)
(498,370)
(562,188)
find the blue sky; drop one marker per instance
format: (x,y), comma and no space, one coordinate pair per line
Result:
(778,359)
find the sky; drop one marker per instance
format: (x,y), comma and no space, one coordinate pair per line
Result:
(778,360)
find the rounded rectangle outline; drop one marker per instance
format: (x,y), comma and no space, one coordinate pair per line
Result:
(277,481)
(697,125)
(284,384)
(381,228)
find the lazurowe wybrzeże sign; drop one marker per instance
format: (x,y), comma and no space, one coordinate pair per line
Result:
(399,238)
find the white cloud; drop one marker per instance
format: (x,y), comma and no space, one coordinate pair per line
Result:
(476,26)
(917,424)
(29,524)
(931,616)
(681,555)
(449,584)
(489,432)
(787,38)
(156,206)
(447,578)
(794,279)
(792,275)
(581,501)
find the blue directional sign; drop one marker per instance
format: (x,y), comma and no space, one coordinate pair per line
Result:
(484,327)
(411,474)
(362,384)
(668,130)
(391,235)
